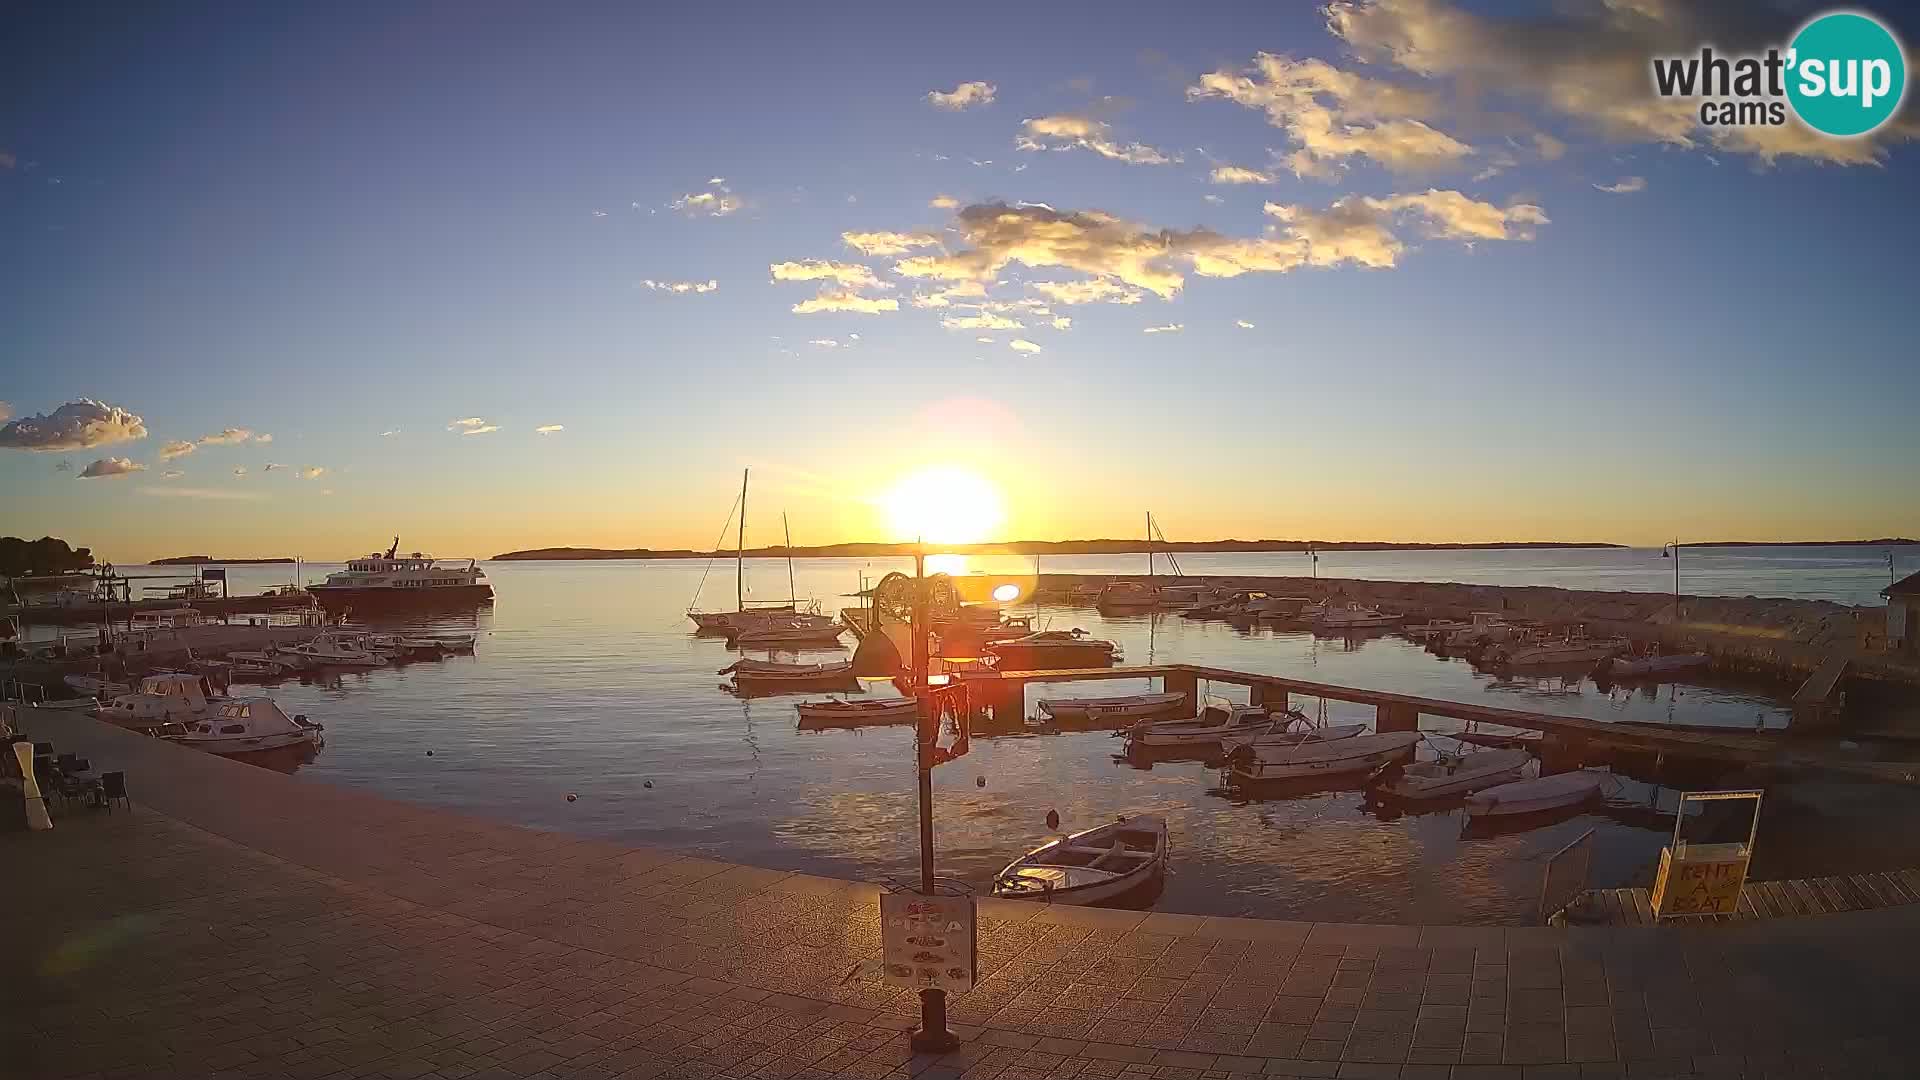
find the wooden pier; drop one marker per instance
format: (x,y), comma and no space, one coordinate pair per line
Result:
(1763,899)
(989,692)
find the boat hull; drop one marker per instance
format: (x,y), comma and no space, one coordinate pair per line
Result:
(1143,705)
(1315,760)
(1458,784)
(338,597)
(1534,796)
(1050,657)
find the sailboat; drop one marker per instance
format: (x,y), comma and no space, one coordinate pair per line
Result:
(1122,597)
(751,615)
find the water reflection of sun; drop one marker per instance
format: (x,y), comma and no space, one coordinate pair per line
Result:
(944,504)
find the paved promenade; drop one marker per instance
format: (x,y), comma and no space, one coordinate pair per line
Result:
(244,923)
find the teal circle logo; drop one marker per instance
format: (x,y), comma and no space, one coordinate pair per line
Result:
(1846,74)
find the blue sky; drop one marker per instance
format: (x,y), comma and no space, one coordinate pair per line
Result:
(330,224)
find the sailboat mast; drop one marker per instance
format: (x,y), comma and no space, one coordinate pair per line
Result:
(793,595)
(1149,545)
(740,551)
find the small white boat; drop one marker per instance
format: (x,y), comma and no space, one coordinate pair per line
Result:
(1127,707)
(1296,735)
(1252,764)
(1219,720)
(1656,665)
(175,697)
(1539,793)
(774,671)
(1459,775)
(266,669)
(250,725)
(1091,866)
(260,659)
(94,686)
(1571,650)
(1355,617)
(793,632)
(337,650)
(837,713)
(72,704)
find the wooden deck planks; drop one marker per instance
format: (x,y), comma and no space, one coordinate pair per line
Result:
(1771,899)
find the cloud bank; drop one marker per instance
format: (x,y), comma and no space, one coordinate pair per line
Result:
(76,425)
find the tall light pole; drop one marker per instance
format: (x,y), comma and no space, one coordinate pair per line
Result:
(932,1037)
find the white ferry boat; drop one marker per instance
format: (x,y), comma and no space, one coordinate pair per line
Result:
(392,579)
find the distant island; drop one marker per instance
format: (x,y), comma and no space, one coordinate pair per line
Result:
(195,560)
(1892,541)
(1012,547)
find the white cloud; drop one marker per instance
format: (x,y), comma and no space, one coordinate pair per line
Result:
(1359,229)
(1089,291)
(111,466)
(549,429)
(312,472)
(958,291)
(1243,324)
(986,320)
(845,275)
(1589,63)
(263,438)
(889,243)
(483,429)
(172,474)
(707,203)
(76,425)
(681,287)
(1454,215)
(1023,345)
(825,343)
(599,213)
(1170,328)
(209,494)
(178,448)
(965,96)
(1066,132)
(390,434)
(938,202)
(1062,322)
(1332,115)
(468,423)
(1626,185)
(1549,148)
(239,470)
(232,436)
(1234,174)
(1213,198)
(272,465)
(845,301)
(716,181)
(984,340)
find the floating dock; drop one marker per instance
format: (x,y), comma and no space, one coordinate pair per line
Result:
(1763,899)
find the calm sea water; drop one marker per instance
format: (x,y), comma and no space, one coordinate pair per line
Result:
(587,682)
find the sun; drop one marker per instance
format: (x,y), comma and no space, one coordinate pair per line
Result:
(944,504)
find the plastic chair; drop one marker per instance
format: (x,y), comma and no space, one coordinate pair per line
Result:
(113,787)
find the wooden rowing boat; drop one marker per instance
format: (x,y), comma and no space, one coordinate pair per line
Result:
(1090,866)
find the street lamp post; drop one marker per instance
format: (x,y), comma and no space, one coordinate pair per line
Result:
(932,1037)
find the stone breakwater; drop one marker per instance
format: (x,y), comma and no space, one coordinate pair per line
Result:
(1781,637)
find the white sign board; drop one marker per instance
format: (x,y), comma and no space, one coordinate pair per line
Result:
(927,942)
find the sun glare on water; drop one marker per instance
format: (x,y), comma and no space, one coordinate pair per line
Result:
(944,505)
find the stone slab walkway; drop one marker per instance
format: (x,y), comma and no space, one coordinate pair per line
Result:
(244,923)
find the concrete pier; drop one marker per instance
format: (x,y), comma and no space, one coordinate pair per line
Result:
(242,923)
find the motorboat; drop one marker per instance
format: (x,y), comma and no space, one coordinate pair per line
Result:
(258,660)
(333,649)
(388,579)
(460,643)
(1126,707)
(1091,866)
(1436,629)
(1640,667)
(1302,732)
(1537,794)
(1121,597)
(1184,598)
(793,632)
(247,726)
(1053,649)
(835,712)
(774,671)
(168,697)
(403,647)
(94,686)
(259,669)
(1455,774)
(1355,617)
(1365,753)
(1486,628)
(1217,721)
(1572,649)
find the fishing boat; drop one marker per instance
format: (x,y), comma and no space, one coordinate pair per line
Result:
(1365,753)
(167,697)
(94,686)
(1575,648)
(1537,794)
(835,712)
(1296,735)
(249,726)
(1218,720)
(1455,774)
(337,650)
(1126,707)
(1053,649)
(390,579)
(1355,617)
(1090,866)
(789,632)
(1639,667)
(774,671)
